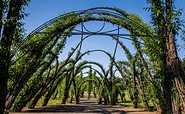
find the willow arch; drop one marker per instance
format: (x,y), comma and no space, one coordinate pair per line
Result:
(51,31)
(72,19)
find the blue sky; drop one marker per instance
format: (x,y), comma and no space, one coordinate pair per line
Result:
(41,11)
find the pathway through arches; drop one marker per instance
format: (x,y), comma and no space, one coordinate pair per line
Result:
(86,106)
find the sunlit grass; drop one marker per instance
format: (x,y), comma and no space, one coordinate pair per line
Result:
(51,102)
(129,104)
(126,104)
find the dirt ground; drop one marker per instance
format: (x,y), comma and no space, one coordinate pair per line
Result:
(85,107)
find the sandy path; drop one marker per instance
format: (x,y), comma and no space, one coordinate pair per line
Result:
(85,107)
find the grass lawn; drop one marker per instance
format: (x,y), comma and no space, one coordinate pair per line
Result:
(129,104)
(51,102)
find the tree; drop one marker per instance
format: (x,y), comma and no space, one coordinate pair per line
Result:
(11,12)
(165,19)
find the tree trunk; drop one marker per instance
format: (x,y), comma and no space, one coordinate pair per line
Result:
(3,89)
(66,89)
(99,100)
(94,92)
(112,87)
(77,96)
(52,89)
(22,103)
(172,60)
(47,97)
(26,97)
(144,100)
(5,45)
(18,86)
(174,71)
(76,92)
(29,92)
(1,15)
(122,95)
(106,99)
(77,99)
(55,94)
(141,81)
(66,95)
(41,92)
(135,97)
(135,100)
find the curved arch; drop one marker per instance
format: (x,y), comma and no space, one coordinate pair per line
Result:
(111,15)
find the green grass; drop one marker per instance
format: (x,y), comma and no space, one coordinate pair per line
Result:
(54,101)
(129,104)
(126,104)
(51,102)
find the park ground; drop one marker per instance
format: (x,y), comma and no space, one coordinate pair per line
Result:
(86,106)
